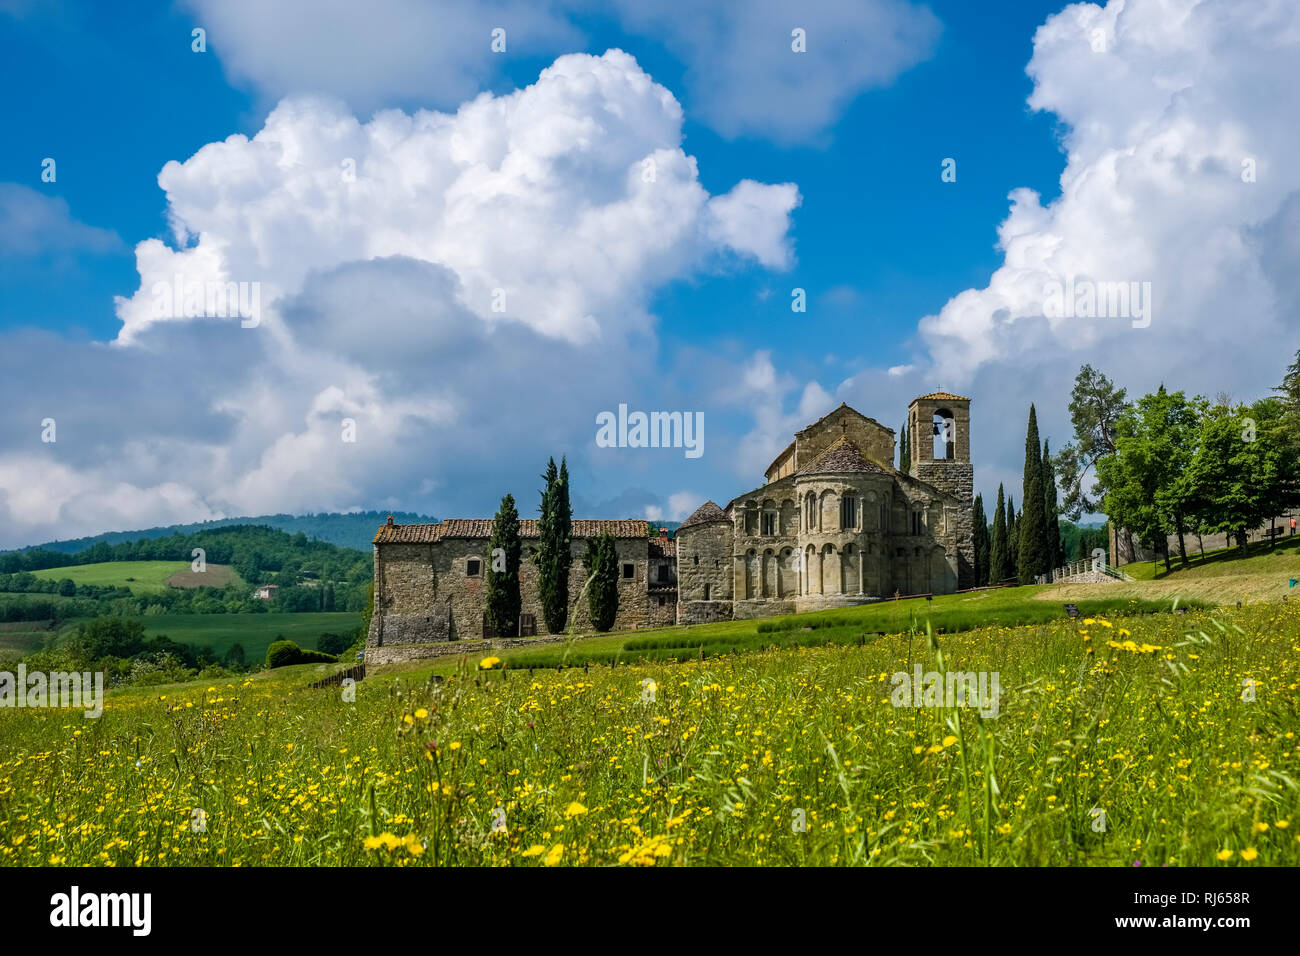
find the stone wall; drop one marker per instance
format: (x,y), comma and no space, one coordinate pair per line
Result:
(403,653)
(957,479)
(661,615)
(746,610)
(704,557)
(424,593)
(703,612)
(873,439)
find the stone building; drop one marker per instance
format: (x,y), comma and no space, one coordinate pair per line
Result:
(431,579)
(836,523)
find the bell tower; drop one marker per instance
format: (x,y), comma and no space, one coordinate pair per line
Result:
(938,433)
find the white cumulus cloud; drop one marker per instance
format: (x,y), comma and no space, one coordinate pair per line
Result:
(467,288)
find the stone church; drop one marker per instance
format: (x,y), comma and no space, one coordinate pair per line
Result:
(834,524)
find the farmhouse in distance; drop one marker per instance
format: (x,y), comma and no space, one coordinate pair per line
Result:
(835,524)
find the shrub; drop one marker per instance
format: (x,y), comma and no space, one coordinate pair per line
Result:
(286,653)
(282,654)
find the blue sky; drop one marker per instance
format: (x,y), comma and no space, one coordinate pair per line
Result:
(79,70)
(907,284)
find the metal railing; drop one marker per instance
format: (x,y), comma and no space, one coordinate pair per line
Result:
(1076,568)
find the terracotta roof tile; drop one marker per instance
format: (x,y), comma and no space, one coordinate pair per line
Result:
(709,511)
(942,397)
(482,528)
(663,547)
(841,456)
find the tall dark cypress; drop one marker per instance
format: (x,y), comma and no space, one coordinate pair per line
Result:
(1031,544)
(1013,550)
(505,552)
(980,534)
(552,591)
(904,451)
(1055,558)
(602,592)
(563,532)
(998,544)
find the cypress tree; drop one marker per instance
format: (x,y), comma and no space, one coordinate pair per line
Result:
(1012,528)
(506,552)
(1055,555)
(602,590)
(998,544)
(564,533)
(980,534)
(1032,555)
(904,451)
(552,590)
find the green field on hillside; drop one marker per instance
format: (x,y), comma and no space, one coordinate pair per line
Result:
(254,632)
(22,637)
(142,577)
(1280,558)
(950,613)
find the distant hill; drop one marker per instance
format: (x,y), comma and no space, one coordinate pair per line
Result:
(353,530)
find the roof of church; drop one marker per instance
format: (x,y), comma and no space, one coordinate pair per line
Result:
(843,407)
(942,397)
(482,528)
(841,456)
(705,513)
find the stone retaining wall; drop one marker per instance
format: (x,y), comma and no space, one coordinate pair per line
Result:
(402,653)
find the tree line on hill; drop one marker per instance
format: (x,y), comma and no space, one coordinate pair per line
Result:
(309,575)
(1036,541)
(354,529)
(1163,466)
(1172,465)
(24,597)
(120,649)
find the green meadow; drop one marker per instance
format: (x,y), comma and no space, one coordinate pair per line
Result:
(254,632)
(142,577)
(949,613)
(1145,740)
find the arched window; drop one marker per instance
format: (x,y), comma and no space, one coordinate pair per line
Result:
(945,435)
(849,513)
(810,512)
(707,588)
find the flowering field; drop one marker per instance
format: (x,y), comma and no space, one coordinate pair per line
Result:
(1152,741)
